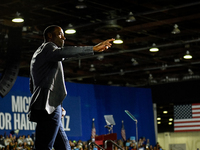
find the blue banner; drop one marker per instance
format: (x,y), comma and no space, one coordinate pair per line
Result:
(83,103)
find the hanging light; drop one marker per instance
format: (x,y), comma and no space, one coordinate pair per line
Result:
(190,72)
(92,68)
(100,57)
(70,29)
(170,123)
(158,118)
(121,72)
(176,29)
(165,112)
(187,55)
(150,77)
(130,18)
(134,62)
(118,40)
(153,48)
(81,5)
(164,66)
(18,18)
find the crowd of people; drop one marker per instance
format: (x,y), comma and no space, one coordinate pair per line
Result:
(13,142)
(143,144)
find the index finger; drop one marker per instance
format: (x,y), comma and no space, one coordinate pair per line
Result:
(110,40)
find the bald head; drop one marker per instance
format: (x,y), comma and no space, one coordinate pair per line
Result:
(54,34)
(49,30)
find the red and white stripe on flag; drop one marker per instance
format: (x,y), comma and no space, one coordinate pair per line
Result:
(93,132)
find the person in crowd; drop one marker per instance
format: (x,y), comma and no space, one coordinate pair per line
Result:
(2,142)
(158,147)
(25,146)
(84,146)
(72,144)
(15,145)
(132,145)
(7,141)
(20,140)
(11,145)
(20,146)
(29,140)
(121,143)
(127,144)
(140,142)
(14,139)
(148,143)
(23,138)
(31,145)
(150,147)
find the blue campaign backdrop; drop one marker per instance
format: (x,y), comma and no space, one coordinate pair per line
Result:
(83,103)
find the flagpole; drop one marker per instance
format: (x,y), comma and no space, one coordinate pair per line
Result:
(136,133)
(93,134)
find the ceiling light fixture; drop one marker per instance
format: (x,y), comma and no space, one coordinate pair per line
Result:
(18,18)
(118,40)
(170,119)
(158,122)
(158,118)
(130,18)
(100,57)
(153,48)
(6,36)
(92,68)
(190,72)
(70,29)
(81,5)
(121,72)
(170,123)
(134,62)
(165,112)
(176,60)
(164,66)
(176,29)
(150,77)
(187,55)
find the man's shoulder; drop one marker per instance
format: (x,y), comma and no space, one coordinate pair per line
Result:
(45,47)
(50,45)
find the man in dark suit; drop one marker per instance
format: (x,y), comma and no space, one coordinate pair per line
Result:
(47,86)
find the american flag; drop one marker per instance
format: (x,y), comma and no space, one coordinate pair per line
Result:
(187,117)
(93,133)
(123,134)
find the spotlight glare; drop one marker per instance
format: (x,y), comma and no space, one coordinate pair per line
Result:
(165,112)
(18,20)
(187,57)
(154,49)
(118,41)
(70,31)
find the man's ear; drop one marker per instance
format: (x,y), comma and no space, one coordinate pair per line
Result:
(49,35)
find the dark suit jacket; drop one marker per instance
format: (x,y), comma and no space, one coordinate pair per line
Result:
(47,83)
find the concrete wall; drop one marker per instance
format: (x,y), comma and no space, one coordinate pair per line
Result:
(191,139)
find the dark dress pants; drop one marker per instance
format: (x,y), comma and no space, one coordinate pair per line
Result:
(50,132)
